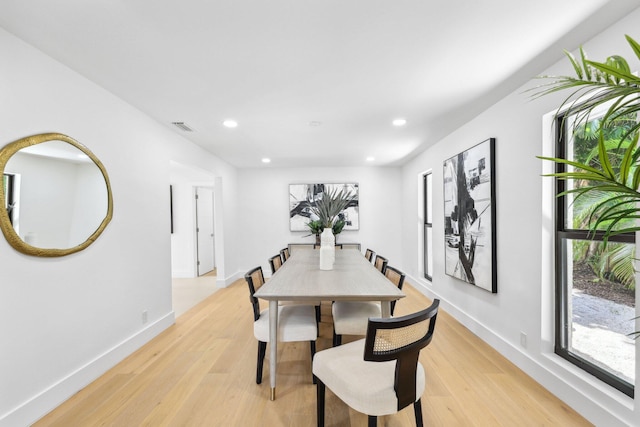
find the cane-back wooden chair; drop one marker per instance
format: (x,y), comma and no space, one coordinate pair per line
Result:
(389,377)
(295,322)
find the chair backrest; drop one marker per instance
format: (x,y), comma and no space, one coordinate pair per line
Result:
(275,262)
(284,253)
(381,263)
(397,278)
(254,279)
(369,254)
(401,339)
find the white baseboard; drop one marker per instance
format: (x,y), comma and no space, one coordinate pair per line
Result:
(49,399)
(223,282)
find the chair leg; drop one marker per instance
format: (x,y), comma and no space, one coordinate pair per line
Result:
(319,401)
(337,339)
(417,409)
(313,353)
(262,351)
(317,314)
(373,421)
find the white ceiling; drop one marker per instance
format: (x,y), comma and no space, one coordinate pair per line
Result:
(280,66)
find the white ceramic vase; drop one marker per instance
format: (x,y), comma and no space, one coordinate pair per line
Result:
(327,249)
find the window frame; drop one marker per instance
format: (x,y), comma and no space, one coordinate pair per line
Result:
(563,235)
(427,211)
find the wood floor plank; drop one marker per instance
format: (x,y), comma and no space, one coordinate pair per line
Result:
(201,372)
(70,413)
(170,402)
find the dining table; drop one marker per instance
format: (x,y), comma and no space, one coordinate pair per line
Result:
(300,279)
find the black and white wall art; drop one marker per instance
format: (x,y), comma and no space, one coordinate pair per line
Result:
(469,215)
(303,196)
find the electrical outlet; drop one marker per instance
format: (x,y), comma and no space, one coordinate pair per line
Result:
(144,317)
(523,339)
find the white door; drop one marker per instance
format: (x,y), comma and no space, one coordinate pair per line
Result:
(204,230)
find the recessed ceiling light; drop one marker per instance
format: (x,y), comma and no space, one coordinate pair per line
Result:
(266,160)
(370,159)
(399,122)
(230,123)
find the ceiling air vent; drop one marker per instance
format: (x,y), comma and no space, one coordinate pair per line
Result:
(182,126)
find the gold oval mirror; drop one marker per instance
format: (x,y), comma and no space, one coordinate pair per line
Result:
(56,197)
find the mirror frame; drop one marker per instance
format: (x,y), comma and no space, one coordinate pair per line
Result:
(5,224)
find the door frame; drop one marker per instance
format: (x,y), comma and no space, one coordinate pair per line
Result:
(196,226)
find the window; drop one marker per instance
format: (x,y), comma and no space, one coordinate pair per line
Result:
(595,283)
(428,231)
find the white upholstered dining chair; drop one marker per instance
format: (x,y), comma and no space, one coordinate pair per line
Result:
(388,377)
(295,322)
(351,317)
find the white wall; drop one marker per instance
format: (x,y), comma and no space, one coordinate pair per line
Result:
(183,242)
(524,299)
(184,180)
(263,210)
(64,321)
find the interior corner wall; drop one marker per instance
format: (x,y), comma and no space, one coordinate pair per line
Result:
(522,304)
(263,210)
(65,321)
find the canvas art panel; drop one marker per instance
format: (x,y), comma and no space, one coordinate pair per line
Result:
(469,211)
(303,196)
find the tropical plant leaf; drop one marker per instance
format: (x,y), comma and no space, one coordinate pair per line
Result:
(587,69)
(332,203)
(626,164)
(615,70)
(634,45)
(576,65)
(577,165)
(606,180)
(603,155)
(621,264)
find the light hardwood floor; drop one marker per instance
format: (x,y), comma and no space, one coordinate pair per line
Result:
(201,372)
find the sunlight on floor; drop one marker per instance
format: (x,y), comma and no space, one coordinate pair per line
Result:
(189,292)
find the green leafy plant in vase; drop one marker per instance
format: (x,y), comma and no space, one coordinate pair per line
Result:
(327,209)
(315,227)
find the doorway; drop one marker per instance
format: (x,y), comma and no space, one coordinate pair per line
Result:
(205,234)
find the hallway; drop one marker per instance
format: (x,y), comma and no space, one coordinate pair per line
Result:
(188,292)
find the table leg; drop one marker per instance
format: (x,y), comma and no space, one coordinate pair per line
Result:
(385,307)
(273,345)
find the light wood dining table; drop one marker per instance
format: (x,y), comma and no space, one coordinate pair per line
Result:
(353,278)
